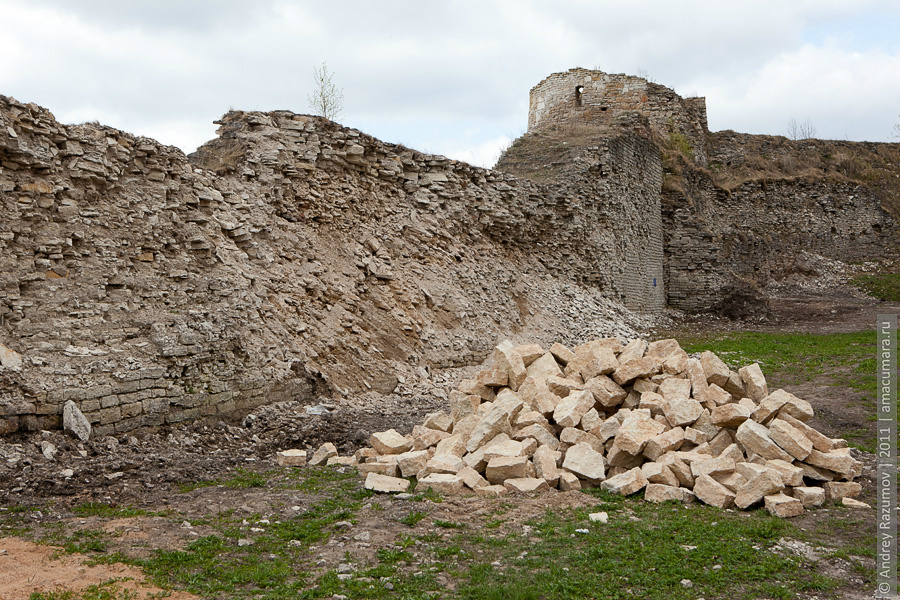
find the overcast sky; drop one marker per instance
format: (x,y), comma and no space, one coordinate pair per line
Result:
(448,77)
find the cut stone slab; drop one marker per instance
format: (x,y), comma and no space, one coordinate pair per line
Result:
(838,461)
(810,497)
(526,485)
(713,466)
(673,388)
(390,469)
(501,468)
(666,441)
(569,411)
(472,478)
(494,422)
(493,378)
(504,448)
(658,492)
(443,483)
(791,439)
(602,361)
(835,490)
(444,463)
(562,353)
(820,442)
(75,423)
(710,491)
(411,463)
(791,475)
(633,350)
(440,421)
(320,457)
(545,461)
(507,359)
(585,462)
(569,482)
(544,367)
(770,405)
(717,372)
(291,458)
(764,484)
(529,353)
(682,411)
(491,491)
(729,415)
(385,484)
(798,408)
(390,442)
(607,429)
(783,506)
(754,382)
(663,348)
(754,437)
(563,386)
(540,434)
(716,396)
(424,438)
(627,483)
(636,431)
(640,367)
(606,391)
(659,473)
(851,503)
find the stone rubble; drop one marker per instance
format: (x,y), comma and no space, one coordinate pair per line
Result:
(624,419)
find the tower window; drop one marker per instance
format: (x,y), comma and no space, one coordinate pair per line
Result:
(579,90)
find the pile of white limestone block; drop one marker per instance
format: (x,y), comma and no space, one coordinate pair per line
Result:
(640,416)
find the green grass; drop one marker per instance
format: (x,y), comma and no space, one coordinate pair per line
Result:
(110,511)
(884,286)
(242,479)
(412,518)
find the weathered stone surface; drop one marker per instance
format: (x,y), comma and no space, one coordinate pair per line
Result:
(320,457)
(798,408)
(755,438)
(791,475)
(291,458)
(716,396)
(682,411)
(385,484)
(838,461)
(75,423)
(820,442)
(770,405)
(443,463)
(9,359)
(501,468)
(674,388)
(606,391)
(493,378)
(851,503)
(585,462)
(569,411)
(494,422)
(764,484)
(663,348)
(602,361)
(783,506)
(453,444)
(664,442)
(538,433)
(442,482)
(754,382)
(411,463)
(658,492)
(626,483)
(568,482)
(640,367)
(835,490)
(491,491)
(791,439)
(508,360)
(381,467)
(635,432)
(710,491)
(712,466)
(633,350)
(440,421)
(699,385)
(729,415)
(562,354)
(390,442)
(424,437)
(717,372)
(545,460)
(607,429)
(544,367)
(526,485)
(529,353)
(472,478)
(659,473)
(810,497)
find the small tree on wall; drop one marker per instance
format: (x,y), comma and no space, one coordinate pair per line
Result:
(326,99)
(801,131)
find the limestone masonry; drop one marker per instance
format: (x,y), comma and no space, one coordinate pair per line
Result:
(294,258)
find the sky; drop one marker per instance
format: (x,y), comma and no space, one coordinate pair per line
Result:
(449,77)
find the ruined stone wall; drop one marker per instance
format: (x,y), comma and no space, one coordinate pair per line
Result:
(291,258)
(760,230)
(605,98)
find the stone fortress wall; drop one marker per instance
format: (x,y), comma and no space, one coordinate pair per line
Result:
(295,258)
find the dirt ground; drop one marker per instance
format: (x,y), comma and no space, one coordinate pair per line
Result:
(146,469)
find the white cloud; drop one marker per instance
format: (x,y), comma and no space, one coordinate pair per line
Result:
(421,73)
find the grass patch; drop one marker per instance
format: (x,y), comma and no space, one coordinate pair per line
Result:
(111,511)
(884,286)
(242,479)
(108,590)
(413,518)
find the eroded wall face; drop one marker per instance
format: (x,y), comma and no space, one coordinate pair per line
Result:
(295,258)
